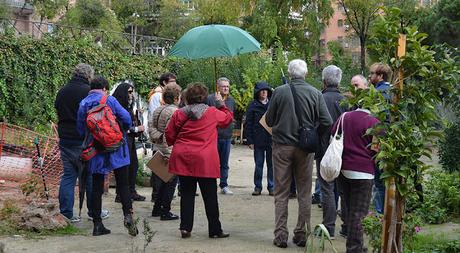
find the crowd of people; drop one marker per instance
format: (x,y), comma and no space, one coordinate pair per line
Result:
(193,129)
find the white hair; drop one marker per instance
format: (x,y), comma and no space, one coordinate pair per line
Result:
(332,75)
(364,79)
(297,69)
(222,79)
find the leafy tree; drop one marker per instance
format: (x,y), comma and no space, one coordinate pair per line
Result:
(428,75)
(4,9)
(48,9)
(174,19)
(220,11)
(360,14)
(130,12)
(442,22)
(272,20)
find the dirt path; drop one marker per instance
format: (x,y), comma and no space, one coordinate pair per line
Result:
(248,219)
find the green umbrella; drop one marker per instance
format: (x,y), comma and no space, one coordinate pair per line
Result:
(214,41)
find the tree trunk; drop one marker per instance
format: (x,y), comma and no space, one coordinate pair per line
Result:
(362,42)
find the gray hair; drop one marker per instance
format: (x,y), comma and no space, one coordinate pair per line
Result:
(222,79)
(363,78)
(297,69)
(84,70)
(332,75)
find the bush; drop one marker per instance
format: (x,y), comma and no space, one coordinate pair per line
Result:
(449,148)
(441,198)
(32,71)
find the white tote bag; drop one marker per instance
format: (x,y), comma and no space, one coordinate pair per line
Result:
(332,159)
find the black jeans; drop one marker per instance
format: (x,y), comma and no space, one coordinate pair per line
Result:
(208,187)
(121,177)
(134,165)
(165,194)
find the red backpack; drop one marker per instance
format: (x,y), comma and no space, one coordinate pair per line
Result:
(103,125)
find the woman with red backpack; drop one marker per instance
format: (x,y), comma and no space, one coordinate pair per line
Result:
(97,120)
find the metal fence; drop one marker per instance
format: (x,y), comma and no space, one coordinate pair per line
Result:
(126,42)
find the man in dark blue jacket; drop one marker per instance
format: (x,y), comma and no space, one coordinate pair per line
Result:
(258,138)
(379,74)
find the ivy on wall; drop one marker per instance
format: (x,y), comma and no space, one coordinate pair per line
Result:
(32,72)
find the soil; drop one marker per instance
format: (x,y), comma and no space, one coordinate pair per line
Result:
(248,219)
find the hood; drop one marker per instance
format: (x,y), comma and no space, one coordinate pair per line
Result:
(194,111)
(261,85)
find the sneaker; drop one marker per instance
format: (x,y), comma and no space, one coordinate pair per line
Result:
(271,193)
(104,214)
(75,219)
(226,191)
(280,244)
(256,192)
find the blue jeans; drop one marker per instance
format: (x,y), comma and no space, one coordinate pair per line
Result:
(260,154)
(223,147)
(70,156)
(379,192)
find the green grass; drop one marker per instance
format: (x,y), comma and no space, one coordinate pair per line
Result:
(436,243)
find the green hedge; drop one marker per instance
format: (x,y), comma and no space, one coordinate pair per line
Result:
(32,71)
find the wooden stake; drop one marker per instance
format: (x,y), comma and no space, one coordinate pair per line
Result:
(394,203)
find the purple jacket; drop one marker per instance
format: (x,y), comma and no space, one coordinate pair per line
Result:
(357,155)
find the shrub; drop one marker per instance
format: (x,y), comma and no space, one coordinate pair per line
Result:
(449,148)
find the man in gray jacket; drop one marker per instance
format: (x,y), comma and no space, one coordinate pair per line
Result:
(288,158)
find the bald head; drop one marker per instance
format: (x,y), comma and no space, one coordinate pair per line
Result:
(359,82)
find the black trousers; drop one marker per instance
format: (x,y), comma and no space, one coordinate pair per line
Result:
(121,177)
(356,194)
(208,187)
(134,165)
(165,194)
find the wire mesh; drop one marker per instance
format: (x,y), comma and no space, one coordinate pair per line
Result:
(19,162)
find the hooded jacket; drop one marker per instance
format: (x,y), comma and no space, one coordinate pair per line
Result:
(255,133)
(192,131)
(103,163)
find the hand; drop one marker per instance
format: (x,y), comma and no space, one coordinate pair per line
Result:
(251,146)
(219,97)
(140,128)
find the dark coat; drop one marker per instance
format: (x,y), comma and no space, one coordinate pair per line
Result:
(255,133)
(332,98)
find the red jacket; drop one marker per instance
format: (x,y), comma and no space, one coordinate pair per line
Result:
(193,132)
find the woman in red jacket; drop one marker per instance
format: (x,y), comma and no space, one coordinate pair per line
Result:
(194,158)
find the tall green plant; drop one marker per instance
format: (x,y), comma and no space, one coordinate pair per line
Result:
(427,76)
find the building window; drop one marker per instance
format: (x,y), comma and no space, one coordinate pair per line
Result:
(340,22)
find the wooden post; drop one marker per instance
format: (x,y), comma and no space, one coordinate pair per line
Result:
(394,203)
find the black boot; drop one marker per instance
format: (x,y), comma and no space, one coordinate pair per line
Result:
(99,229)
(130,225)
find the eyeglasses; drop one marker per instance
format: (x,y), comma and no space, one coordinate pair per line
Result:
(130,91)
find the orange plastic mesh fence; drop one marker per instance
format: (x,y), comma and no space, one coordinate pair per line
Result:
(19,163)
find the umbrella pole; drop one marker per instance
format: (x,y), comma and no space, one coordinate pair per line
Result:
(215,73)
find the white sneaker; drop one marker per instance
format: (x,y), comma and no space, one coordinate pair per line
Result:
(104,214)
(226,191)
(75,219)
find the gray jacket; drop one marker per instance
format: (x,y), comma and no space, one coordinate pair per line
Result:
(281,113)
(223,133)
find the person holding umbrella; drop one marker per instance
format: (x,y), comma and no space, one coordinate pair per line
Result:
(224,139)
(105,161)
